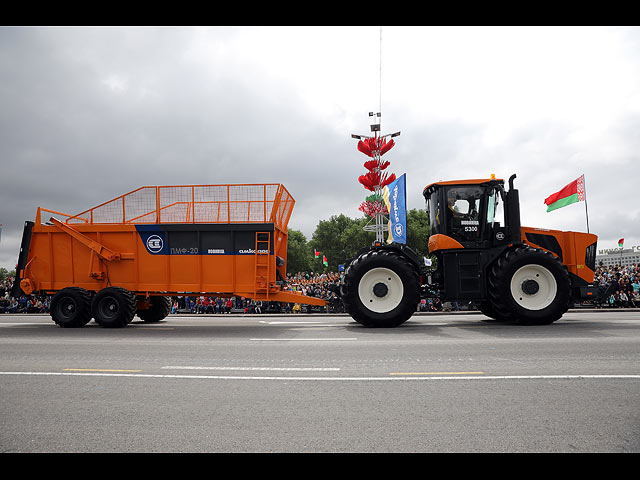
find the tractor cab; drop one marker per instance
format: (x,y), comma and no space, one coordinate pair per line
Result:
(470,214)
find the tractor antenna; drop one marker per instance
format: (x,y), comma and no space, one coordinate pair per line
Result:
(380,80)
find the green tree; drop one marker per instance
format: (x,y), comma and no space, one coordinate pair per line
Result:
(418,231)
(338,238)
(299,255)
(341,237)
(356,238)
(4,274)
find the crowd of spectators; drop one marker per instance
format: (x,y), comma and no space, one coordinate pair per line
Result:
(621,282)
(22,304)
(319,285)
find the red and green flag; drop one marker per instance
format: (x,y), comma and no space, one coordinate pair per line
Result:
(316,253)
(572,193)
(621,242)
(325,261)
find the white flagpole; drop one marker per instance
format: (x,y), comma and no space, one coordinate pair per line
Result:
(586,212)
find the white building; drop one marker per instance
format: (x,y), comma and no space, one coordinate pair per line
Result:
(619,256)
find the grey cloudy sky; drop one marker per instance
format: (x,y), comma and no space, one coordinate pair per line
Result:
(87,114)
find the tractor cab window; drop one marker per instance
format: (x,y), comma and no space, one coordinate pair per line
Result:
(463,212)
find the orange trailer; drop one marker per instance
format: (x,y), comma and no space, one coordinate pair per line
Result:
(128,255)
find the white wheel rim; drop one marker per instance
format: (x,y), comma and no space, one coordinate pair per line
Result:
(380,290)
(522,287)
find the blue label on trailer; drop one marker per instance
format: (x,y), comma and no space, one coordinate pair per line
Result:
(203,239)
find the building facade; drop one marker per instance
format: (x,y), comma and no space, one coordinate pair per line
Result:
(618,256)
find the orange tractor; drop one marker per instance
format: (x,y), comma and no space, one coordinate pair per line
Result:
(127,256)
(483,255)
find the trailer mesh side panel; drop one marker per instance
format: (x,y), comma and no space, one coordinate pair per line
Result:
(255,203)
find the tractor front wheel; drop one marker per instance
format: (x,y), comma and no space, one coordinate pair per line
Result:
(529,286)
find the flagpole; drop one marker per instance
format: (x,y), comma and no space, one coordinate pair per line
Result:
(586,212)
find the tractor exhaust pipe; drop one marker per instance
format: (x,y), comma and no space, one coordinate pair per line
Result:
(513,212)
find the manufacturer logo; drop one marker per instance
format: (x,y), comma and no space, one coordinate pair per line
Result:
(155,243)
(398,229)
(500,236)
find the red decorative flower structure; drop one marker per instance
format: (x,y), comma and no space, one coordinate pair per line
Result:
(376,178)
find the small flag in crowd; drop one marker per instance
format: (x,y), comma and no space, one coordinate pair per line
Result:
(621,242)
(316,253)
(324,260)
(572,193)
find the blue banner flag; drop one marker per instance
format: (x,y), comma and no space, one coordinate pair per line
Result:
(395,196)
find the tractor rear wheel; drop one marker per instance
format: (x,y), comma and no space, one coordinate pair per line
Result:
(529,286)
(381,289)
(114,307)
(71,307)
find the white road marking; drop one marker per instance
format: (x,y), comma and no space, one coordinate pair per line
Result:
(333,379)
(252,369)
(12,324)
(301,339)
(299,323)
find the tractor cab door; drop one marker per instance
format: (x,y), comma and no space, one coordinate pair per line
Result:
(495,225)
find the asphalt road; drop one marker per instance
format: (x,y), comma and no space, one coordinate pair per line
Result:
(311,383)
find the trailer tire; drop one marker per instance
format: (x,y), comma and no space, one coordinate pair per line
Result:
(113,307)
(159,309)
(381,289)
(529,286)
(71,307)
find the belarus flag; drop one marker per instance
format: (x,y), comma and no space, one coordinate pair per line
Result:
(316,253)
(621,242)
(572,193)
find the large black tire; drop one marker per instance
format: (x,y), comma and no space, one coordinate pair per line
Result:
(71,307)
(381,289)
(114,307)
(159,309)
(487,309)
(529,286)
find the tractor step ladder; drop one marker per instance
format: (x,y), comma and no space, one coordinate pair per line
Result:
(262,256)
